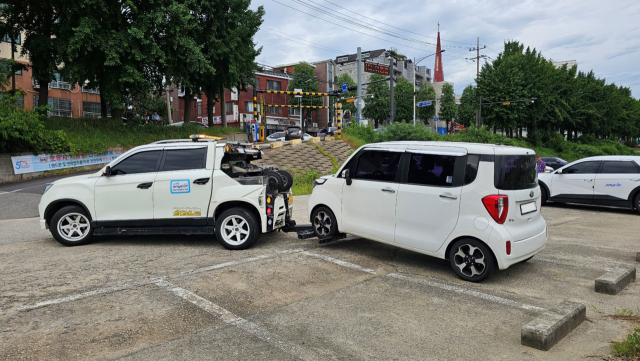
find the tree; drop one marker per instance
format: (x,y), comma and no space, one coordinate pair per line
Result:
(378,100)
(303,78)
(346,78)
(39,20)
(426,92)
(447,104)
(225,31)
(403,101)
(468,106)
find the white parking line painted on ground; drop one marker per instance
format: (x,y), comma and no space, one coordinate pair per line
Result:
(149,281)
(84,295)
(431,283)
(234,263)
(226,316)
(340,262)
(593,266)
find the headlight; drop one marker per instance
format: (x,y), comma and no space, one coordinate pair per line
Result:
(319,182)
(47,187)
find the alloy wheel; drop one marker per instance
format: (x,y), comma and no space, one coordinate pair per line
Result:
(470,260)
(322,223)
(235,230)
(73,227)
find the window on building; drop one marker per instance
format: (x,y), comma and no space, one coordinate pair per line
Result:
(18,40)
(273,110)
(248,106)
(59,107)
(330,76)
(273,85)
(19,99)
(365,55)
(294,111)
(257,83)
(228,107)
(344,58)
(91,109)
(199,109)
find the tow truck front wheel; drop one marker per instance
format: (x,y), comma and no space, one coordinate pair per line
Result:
(70,226)
(237,228)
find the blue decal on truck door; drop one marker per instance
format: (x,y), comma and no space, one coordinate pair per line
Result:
(180,186)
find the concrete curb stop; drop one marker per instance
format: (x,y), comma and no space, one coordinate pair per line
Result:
(315,140)
(276,145)
(615,280)
(553,325)
(295,141)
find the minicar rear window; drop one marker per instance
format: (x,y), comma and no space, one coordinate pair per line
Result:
(513,172)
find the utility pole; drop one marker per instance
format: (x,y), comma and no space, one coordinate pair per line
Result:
(169,107)
(392,111)
(477,60)
(359,97)
(13,58)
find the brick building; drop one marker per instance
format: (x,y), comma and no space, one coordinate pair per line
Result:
(65,99)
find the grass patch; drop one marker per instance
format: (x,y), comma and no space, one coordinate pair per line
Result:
(303,182)
(627,314)
(629,348)
(95,135)
(333,160)
(353,141)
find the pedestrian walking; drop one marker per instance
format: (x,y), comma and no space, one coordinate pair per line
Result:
(540,165)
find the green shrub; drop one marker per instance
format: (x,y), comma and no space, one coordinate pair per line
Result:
(629,347)
(303,182)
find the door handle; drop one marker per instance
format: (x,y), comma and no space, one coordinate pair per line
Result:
(145,185)
(388,190)
(448,196)
(635,180)
(588,180)
(201,181)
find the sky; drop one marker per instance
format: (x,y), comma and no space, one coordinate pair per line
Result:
(603,36)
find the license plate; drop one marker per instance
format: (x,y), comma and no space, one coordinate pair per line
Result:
(528,208)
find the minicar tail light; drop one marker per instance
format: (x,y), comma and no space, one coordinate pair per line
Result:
(497,206)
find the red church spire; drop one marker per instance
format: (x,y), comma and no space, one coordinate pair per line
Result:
(438,74)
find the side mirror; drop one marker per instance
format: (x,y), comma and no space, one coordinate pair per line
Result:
(559,171)
(345,175)
(107,171)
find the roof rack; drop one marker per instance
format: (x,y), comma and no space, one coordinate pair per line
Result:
(192,138)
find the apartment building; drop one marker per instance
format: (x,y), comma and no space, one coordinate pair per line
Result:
(65,99)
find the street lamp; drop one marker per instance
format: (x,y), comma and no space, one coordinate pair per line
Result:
(415,64)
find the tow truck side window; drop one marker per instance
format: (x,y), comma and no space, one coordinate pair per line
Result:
(143,162)
(185,159)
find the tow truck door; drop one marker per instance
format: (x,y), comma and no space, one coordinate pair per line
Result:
(182,190)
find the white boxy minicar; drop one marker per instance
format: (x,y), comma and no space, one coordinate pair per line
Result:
(193,186)
(605,180)
(476,205)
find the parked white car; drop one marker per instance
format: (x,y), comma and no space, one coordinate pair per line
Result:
(606,180)
(172,187)
(279,137)
(476,205)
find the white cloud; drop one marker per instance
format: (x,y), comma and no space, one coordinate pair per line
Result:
(600,36)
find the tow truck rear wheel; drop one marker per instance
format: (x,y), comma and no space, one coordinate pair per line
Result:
(324,223)
(237,228)
(287,179)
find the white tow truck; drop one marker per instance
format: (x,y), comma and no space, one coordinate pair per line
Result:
(180,186)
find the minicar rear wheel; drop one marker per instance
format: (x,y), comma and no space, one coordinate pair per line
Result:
(471,260)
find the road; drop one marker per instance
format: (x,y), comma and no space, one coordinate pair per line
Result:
(186,297)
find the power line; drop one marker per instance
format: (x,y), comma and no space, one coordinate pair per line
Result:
(357,31)
(360,24)
(300,41)
(395,27)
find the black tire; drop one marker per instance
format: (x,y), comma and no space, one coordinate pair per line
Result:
(324,223)
(274,180)
(471,260)
(544,195)
(241,220)
(287,179)
(636,202)
(71,226)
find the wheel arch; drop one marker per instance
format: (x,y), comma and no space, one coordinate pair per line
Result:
(237,204)
(453,241)
(58,204)
(632,196)
(544,186)
(321,205)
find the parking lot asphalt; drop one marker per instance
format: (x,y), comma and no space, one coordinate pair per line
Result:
(186,297)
